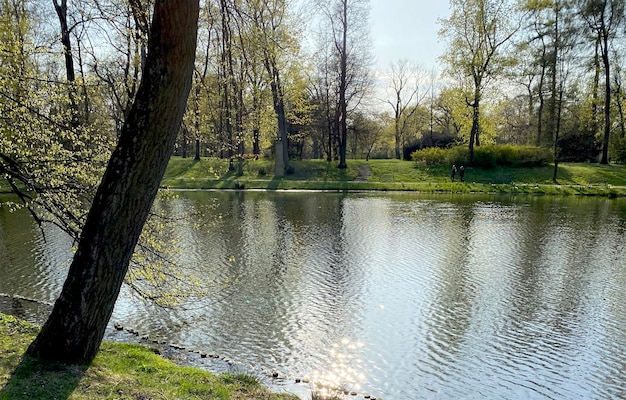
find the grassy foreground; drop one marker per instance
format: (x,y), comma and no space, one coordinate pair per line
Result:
(119,371)
(573,179)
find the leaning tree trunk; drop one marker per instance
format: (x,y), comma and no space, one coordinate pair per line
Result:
(75,329)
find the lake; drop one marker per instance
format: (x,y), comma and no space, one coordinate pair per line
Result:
(399,296)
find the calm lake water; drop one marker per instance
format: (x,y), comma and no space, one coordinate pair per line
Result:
(399,296)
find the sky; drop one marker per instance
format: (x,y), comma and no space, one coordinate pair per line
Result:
(407,29)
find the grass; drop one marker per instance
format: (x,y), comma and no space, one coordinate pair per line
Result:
(394,175)
(119,371)
(573,179)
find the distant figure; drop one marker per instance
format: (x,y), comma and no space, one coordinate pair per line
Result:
(453,172)
(462,173)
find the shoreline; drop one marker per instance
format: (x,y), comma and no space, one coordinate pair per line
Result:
(471,188)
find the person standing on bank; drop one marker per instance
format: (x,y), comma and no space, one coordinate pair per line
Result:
(453,172)
(462,173)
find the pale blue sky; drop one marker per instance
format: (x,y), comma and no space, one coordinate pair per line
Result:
(407,29)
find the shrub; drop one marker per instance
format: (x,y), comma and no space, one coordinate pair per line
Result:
(441,140)
(579,147)
(430,156)
(485,156)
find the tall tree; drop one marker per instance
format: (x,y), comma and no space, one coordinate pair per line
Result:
(544,44)
(605,18)
(477,32)
(405,79)
(324,95)
(228,81)
(76,326)
(618,90)
(124,28)
(269,19)
(61,10)
(347,23)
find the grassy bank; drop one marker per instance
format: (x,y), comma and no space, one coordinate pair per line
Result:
(119,371)
(573,179)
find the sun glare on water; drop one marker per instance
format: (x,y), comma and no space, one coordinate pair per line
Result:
(344,371)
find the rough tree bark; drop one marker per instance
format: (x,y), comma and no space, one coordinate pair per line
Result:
(76,326)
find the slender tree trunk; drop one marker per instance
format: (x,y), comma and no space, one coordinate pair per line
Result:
(76,326)
(607,100)
(343,87)
(185,134)
(540,120)
(396,126)
(256,120)
(540,109)
(617,91)
(329,126)
(226,60)
(552,105)
(256,141)
(595,95)
(557,133)
(61,10)
(196,121)
(475,130)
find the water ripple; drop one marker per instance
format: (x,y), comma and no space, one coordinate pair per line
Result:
(401,297)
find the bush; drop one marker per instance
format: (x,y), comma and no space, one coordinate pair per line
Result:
(577,147)
(431,156)
(620,152)
(485,156)
(428,139)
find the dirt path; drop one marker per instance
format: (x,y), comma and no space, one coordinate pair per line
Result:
(364,172)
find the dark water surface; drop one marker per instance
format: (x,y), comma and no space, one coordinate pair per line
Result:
(397,296)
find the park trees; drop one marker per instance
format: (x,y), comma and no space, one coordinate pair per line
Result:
(270,23)
(248,60)
(346,62)
(477,32)
(122,202)
(405,80)
(547,35)
(604,19)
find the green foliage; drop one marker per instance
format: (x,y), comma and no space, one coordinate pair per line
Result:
(399,175)
(54,161)
(620,151)
(578,147)
(431,156)
(54,167)
(485,156)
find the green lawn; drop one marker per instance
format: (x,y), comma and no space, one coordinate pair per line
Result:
(119,371)
(587,179)
(211,173)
